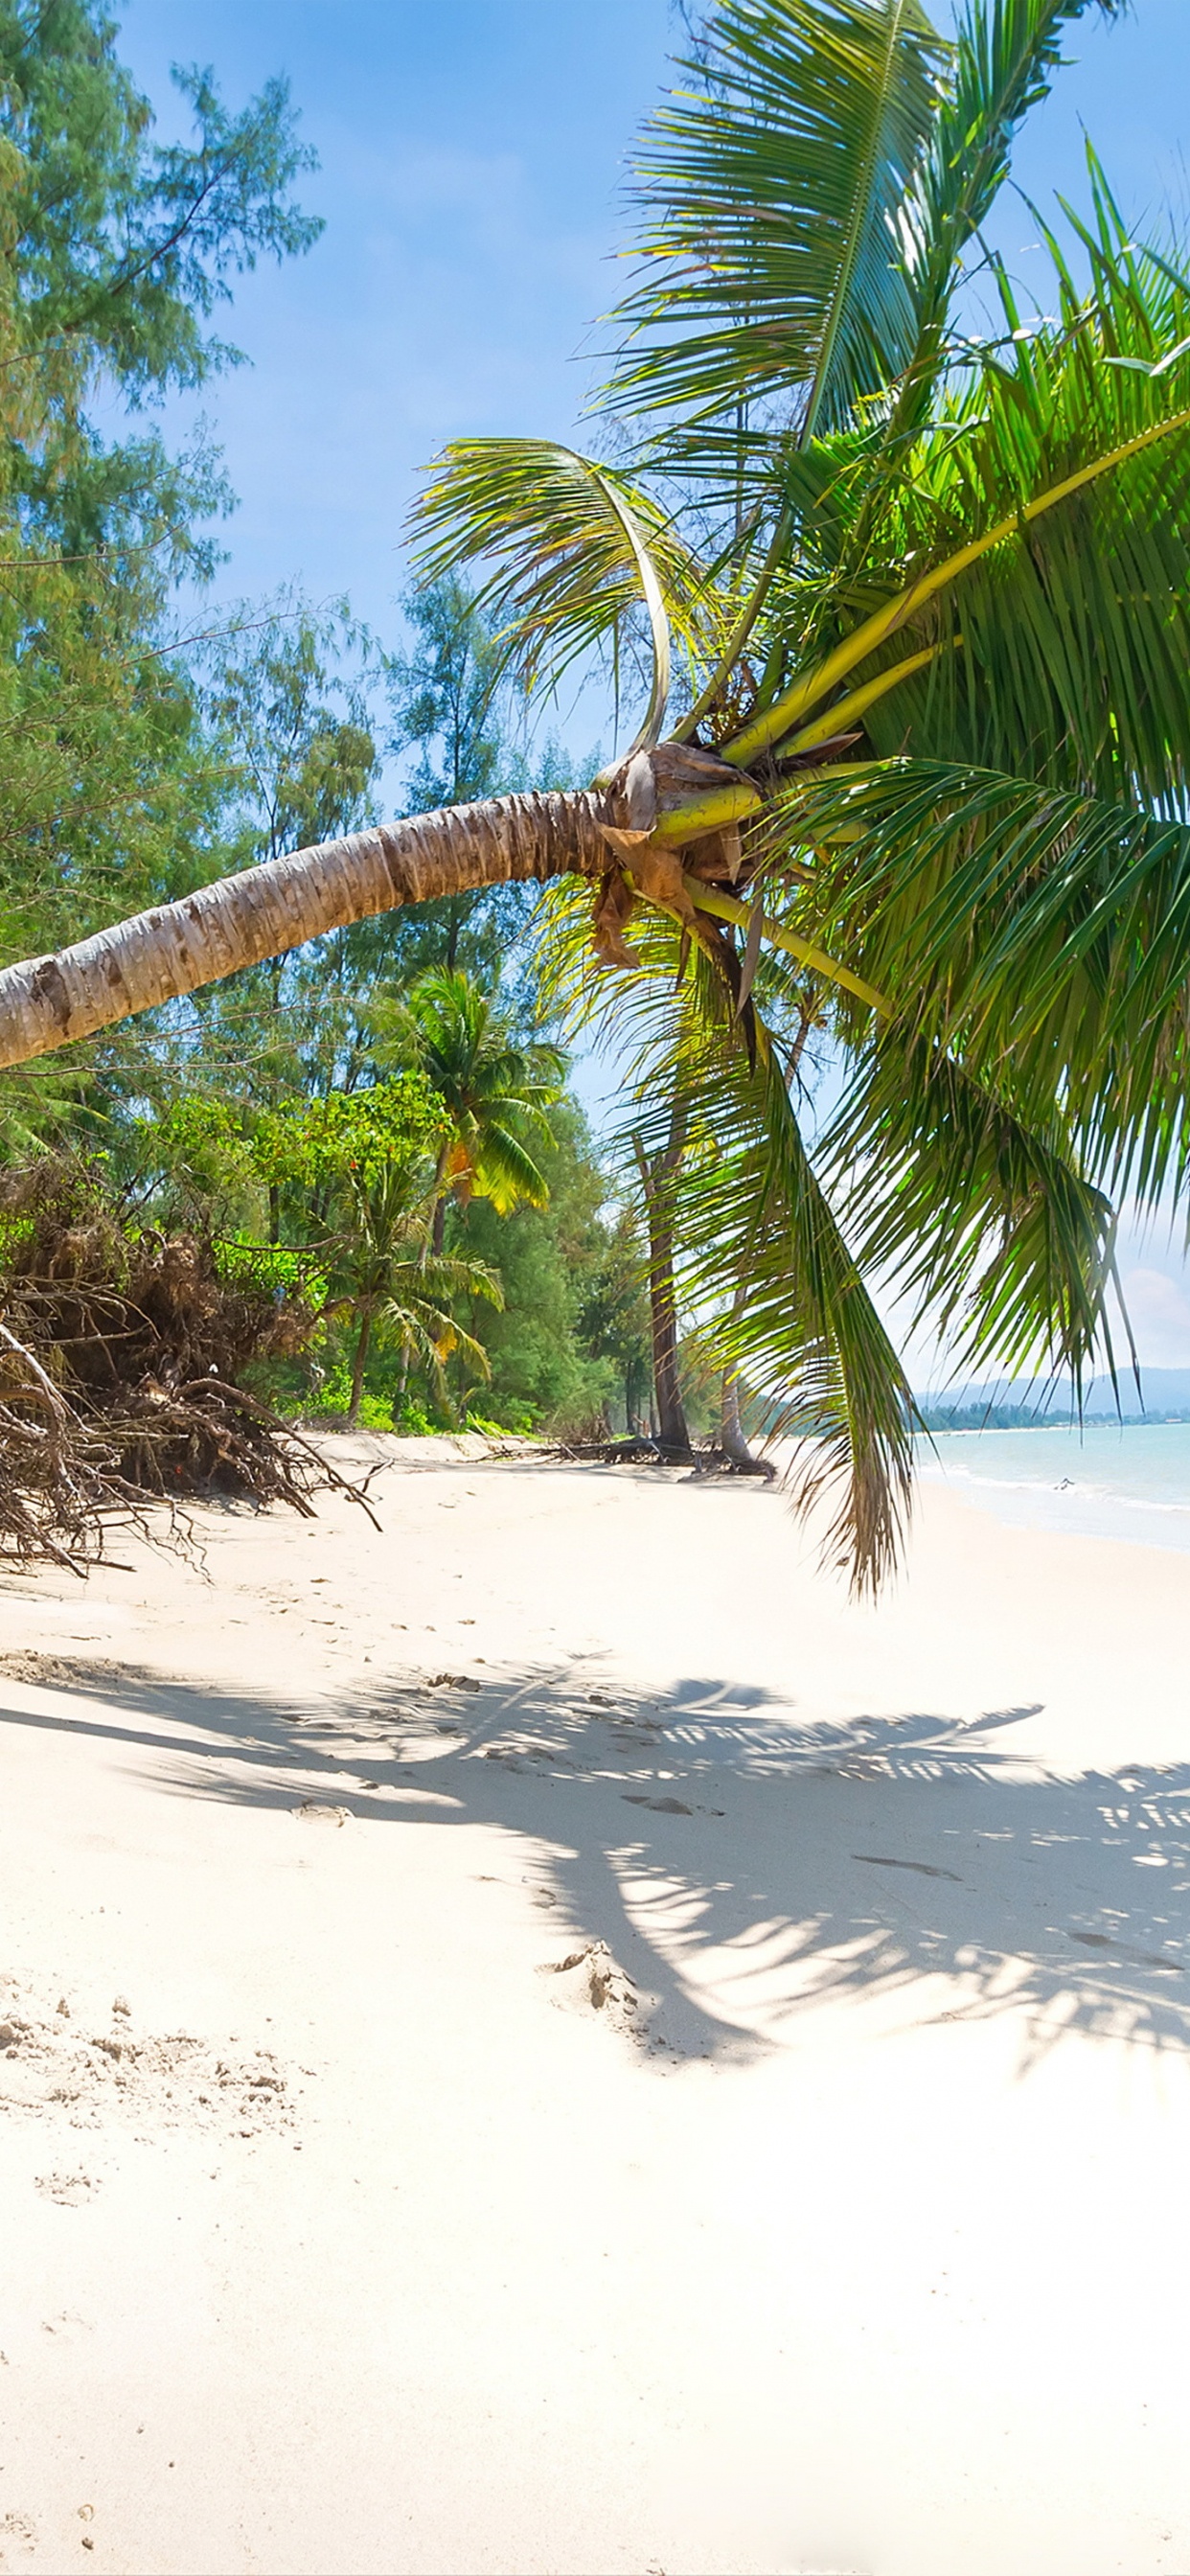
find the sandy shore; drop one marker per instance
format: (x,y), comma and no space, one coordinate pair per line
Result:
(828,2212)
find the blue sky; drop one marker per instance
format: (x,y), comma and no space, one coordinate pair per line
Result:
(472,161)
(472,165)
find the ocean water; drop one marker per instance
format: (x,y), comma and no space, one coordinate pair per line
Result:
(1109,1480)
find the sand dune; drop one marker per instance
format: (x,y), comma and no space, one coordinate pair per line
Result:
(541,2038)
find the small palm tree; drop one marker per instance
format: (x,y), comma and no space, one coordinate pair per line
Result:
(496,1093)
(382,1271)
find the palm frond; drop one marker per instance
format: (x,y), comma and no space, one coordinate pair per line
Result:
(441,1276)
(987,1227)
(767,193)
(434,1334)
(1026,930)
(575,549)
(1003,62)
(1077,638)
(764,1270)
(505,1170)
(1167,421)
(725,907)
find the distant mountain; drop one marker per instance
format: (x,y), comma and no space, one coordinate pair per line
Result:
(1014,1403)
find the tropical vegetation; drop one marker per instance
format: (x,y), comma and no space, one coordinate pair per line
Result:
(902,571)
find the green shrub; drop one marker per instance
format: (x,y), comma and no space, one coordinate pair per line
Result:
(413,1422)
(519,1418)
(331,1402)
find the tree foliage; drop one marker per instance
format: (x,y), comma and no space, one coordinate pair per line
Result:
(571,1339)
(913,603)
(923,597)
(115,251)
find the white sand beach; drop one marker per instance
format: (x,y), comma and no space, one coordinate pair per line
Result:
(827,2214)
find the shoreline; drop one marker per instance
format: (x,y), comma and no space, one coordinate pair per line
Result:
(768,2233)
(1071,1493)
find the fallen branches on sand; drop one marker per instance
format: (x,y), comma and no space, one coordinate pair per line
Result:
(121,1358)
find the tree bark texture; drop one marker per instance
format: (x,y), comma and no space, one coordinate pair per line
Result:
(733,1440)
(238,921)
(438,1222)
(671,1429)
(360,1363)
(731,1428)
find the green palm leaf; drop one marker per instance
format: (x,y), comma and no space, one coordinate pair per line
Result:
(1046,932)
(989,1229)
(886,623)
(575,547)
(1005,55)
(437,1279)
(765,1273)
(767,194)
(505,1170)
(1004,58)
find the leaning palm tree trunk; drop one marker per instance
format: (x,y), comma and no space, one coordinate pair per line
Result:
(157,956)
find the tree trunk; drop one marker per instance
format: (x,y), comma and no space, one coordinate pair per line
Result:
(732,1439)
(238,921)
(138,964)
(359,1364)
(731,1429)
(670,1426)
(672,1433)
(438,1220)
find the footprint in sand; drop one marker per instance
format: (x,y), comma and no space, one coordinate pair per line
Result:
(71,2191)
(18,2531)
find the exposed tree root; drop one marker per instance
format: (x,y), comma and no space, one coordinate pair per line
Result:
(640,1449)
(120,1356)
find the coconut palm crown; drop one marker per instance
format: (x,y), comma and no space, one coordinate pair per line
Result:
(905,576)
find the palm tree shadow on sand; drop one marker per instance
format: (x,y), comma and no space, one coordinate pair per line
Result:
(741,1866)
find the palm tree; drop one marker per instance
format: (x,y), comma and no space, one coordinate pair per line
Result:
(495,1093)
(921,597)
(658,1174)
(382,1271)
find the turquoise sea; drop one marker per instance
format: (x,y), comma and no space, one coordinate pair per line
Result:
(1109,1480)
